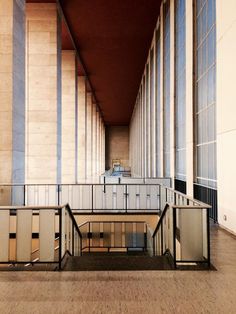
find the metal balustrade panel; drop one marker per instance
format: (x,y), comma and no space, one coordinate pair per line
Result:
(98,197)
(109,196)
(106,234)
(4,235)
(132,196)
(143,197)
(95,230)
(129,238)
(120,190)
(86,197)
(140,231)
(191,234)
(154,196)
(118,234)
(23,235)
(47,235)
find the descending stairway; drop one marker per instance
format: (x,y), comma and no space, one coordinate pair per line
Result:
(117,261)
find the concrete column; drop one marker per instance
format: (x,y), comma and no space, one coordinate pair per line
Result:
(161,88)
(94,140)
(189,96)
(226,112)
(12,91)
(89,137)
(172,89)
(69,104)
(98,144)
(43,148)
(81,144)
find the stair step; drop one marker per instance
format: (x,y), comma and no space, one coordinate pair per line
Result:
(98,262)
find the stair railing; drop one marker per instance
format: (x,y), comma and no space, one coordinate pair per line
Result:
(183,232)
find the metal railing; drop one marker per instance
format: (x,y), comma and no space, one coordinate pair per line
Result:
(183,232)
(38,235)
(86,198)
(98,236)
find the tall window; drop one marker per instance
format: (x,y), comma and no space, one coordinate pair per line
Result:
(147,104)
(180,91)
(158,104)
(152,113)
(205,104)
(166,139)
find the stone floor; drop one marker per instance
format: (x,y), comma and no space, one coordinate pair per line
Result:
(127,292)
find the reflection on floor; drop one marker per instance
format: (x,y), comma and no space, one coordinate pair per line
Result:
(129,291)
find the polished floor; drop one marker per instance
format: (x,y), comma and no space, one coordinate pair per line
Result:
(127,292)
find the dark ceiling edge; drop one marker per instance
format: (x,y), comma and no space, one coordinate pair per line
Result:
(62,14)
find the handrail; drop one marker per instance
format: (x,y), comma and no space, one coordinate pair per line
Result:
(67,206)
(188,197)
(160,220)
(179,207)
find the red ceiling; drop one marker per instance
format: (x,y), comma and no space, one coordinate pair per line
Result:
(113,38)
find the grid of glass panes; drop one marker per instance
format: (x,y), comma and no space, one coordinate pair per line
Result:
(166,129)
(205,107)
(147,104)
(158,104)
(180,91)
(152,112)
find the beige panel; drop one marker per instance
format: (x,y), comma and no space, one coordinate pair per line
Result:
(191,236)
(46,235)
(24,235)
(4,235)
(226,111)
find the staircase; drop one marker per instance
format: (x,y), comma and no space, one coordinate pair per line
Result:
(117,261)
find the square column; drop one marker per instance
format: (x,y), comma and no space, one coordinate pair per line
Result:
(81,131)
(12,91)
(43,93)
(69,107)
(89,137)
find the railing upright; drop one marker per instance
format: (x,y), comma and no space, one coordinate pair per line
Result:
(174,235)
(60,237)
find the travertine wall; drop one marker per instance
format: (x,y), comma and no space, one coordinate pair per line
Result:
(117,145)
(226,112)
(43,94)
(69,107)
(12,91)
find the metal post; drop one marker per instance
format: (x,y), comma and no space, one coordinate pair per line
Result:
(162,252)
(58,195)
(73,239)
(92,198)
(24,196)
(174,235)
(60,237)
(126,198)
(208,239)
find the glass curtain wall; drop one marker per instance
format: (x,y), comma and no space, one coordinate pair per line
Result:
(205,88)
(166,100)
(158,104)
(180,91)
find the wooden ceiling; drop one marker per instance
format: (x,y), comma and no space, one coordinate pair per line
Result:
(113,38)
